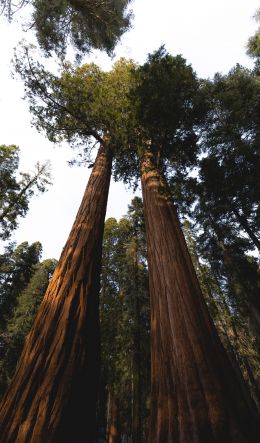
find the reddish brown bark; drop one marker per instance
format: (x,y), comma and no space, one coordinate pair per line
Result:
(196,396)
(52,397)
(112,430)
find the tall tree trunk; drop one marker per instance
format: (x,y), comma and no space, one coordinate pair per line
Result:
(196,396)
(244,223)
(52,397)
(113,419)
(254,319)
(250,304)
(137,387)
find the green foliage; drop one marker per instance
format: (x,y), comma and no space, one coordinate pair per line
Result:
(16,268)
(156,105)
(85,24)
(165,98)
(253,45)
(229,154)
(124,311)
(85,106)
(228,184)
(17,189)
(19,324)
(223,196)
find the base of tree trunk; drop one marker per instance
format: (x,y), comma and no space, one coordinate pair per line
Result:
(196,396)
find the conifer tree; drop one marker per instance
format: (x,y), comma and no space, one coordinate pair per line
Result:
(59,403)
(16,268)
(196,394)
(18,325)
(228,314)
(203,400)
(230,140)
(124,323)
(85,24)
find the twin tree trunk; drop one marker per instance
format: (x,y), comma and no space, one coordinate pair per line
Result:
(196,396)
(52,397)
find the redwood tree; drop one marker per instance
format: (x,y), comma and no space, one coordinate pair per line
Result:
(52,396)
(196,395)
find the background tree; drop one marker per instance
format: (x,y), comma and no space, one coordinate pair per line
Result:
(21,316)
(226,190)
(16,269)
(231,140)
(84,24)
(17,188)
(125,324)
(228,312)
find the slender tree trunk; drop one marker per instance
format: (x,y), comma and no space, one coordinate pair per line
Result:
(254,319)
(238,287)
(52,397)
(137,394)
(244,223)
(113,418)
(196,396)
(137,387)
(244,360)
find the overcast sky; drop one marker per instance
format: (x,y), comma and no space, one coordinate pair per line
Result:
(212,37)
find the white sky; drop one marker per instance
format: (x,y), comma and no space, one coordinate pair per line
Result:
(210,35)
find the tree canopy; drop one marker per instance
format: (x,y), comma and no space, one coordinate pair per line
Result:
(85,24)
(85,106)
(134,105)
